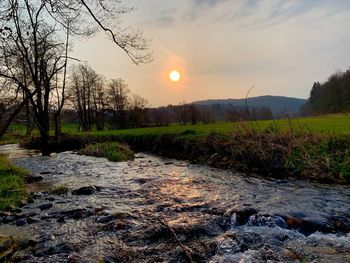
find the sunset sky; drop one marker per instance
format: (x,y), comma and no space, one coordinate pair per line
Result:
(223,47)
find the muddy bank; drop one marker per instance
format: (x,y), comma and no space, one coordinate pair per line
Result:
(304,156)
(113,212)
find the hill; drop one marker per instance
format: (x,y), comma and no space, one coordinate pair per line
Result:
(277,104)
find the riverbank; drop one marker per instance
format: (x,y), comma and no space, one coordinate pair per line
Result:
(12,184)
(318,157)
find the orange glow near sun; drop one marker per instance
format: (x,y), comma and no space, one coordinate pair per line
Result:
(174,76)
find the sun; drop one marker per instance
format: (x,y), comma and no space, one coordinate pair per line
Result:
(174,75)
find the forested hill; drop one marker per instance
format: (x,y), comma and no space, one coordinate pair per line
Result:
(332,96)
(277,104)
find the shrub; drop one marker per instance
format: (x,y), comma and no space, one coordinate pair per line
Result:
(113,151)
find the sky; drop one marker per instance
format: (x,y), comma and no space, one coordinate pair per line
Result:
(223,47)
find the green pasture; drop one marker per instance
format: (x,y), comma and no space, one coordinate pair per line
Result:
(333,124)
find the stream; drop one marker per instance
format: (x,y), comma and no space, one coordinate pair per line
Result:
(115,212)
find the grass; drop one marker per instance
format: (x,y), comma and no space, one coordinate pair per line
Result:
(59,190)
(17,132)
(113,151)
(337,124)
(12,186)
(334,124)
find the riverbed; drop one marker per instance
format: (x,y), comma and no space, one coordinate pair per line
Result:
(163,210)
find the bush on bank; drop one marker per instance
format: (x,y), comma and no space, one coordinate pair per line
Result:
(113,151)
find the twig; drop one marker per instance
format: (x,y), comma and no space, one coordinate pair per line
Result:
(248,112)
(184,248)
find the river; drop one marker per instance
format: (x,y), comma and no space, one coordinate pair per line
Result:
(153,209)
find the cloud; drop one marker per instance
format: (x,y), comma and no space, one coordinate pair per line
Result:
(263,13)
(162,21)
(208,2)
(165,17)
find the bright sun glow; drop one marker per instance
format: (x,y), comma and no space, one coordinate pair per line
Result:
(174,76)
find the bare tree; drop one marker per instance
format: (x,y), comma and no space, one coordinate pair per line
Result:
(87,17)
(118,99)
(84,92)
(33,53)
(137,111)
(207,115)
(99,100)
(193,113)
(161,116)
(232,114)
(30,56)
(181,113)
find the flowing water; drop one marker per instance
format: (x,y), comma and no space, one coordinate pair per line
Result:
(152,209)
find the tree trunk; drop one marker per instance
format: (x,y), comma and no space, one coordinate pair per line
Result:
(44,126)
(29,121)
(58,127)
(44,136)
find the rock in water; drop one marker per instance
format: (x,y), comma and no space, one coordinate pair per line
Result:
(45,206)
(21,222)
(86,190)
(33,179)
(105,219)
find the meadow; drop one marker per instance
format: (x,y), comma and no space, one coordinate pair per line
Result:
(329,124)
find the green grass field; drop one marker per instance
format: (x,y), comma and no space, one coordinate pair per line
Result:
(337,124)
(333,124)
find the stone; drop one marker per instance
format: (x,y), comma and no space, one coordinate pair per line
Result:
(86,190)
(61,220)
(21,222)
(8,219)
(45,206)
(308,225)
(46,172)
(33,179)
(78,215)
(141,180)
(105,219)
(32,220)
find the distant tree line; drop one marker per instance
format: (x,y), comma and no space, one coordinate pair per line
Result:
(117,108)
(332,96)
